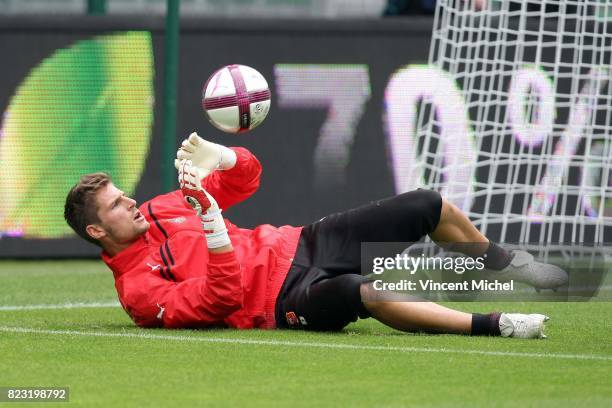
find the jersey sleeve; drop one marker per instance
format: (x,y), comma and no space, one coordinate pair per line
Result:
(232,186)
(154,299)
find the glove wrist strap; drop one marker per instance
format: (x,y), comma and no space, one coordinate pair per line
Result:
(217,239)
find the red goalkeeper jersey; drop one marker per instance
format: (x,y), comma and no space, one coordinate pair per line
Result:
(167,278)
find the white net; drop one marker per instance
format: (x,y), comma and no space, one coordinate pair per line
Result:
(536,80)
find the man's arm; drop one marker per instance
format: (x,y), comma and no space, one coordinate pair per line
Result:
(154,299)
(237,184)
(231,175)
(206,301)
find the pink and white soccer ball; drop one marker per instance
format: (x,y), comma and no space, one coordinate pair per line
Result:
(236,98)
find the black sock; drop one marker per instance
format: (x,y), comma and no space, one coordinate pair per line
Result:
(485,325)
(496,257)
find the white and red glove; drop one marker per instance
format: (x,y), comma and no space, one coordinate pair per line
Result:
(190,180)
(205,155)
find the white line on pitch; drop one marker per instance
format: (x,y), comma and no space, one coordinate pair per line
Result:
(147,336)
(76,305)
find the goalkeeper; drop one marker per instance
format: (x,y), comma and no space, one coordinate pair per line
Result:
(179,268)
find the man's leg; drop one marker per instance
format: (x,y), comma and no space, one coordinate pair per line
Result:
(336,239)
(455,228)
(334,246)
(332,303)
(420,316)
(456,232)
(334,242)
(433,318)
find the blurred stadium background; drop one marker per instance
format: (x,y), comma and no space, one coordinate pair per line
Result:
(503,105)
(475,101)
(209,8)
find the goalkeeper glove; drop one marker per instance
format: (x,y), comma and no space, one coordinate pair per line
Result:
(190,179)
(205,155)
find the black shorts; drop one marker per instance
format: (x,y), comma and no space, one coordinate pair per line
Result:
(322,288)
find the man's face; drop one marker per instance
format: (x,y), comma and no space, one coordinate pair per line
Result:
(120,220)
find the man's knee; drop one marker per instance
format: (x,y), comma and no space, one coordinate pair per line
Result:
(410,216)
(449,211)
(430,204)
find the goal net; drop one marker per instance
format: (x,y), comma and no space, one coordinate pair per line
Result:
(536,80)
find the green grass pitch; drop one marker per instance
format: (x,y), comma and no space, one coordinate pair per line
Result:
(96,351)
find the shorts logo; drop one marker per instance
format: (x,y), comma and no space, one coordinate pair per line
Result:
(292,319)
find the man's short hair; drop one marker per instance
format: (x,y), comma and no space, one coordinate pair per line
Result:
(81,208)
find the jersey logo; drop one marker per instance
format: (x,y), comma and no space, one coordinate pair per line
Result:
(177,220)
(161,311)
(153,267)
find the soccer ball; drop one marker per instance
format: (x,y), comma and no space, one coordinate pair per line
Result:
(236,98)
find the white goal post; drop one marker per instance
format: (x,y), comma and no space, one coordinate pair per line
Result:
(536,78)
